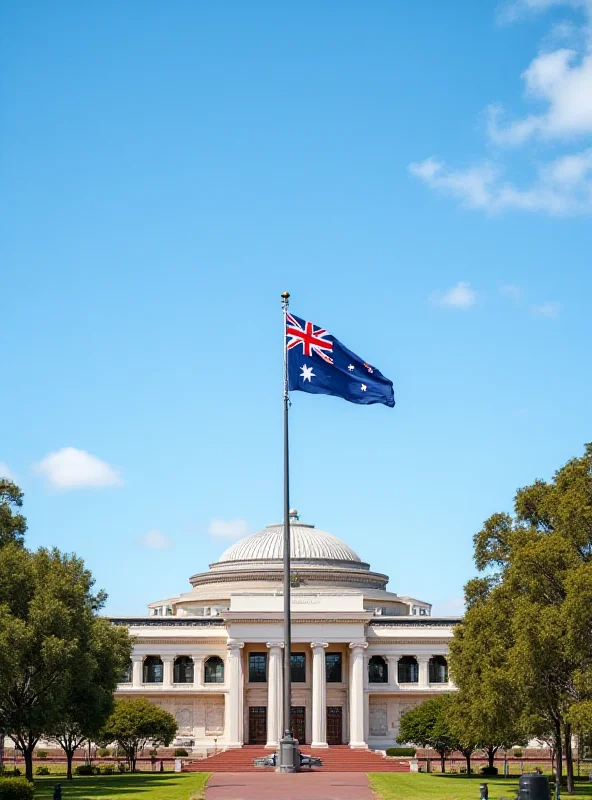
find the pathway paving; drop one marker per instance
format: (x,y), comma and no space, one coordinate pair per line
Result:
(303,786)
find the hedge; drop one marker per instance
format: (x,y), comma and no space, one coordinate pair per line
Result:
(16,789)
(401,751)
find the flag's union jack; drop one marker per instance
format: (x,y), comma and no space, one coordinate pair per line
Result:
(312,338)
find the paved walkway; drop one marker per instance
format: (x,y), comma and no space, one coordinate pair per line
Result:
(303,786)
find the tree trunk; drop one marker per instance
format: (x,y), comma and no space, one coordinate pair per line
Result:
(558,753)
(443,761)
(490,752)
(69,757)
(569,759)
(28,756)
(468,760)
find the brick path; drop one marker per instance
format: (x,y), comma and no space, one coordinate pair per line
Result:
(303,786)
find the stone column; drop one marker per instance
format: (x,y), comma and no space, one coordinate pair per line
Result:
(319,695)
(232,697)
(424,673)
(137,662)
(274,695)
(356,696)
(167,670)
(393,670)
(198,671)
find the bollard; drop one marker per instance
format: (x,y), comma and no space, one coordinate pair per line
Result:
(57,791)
(484,791)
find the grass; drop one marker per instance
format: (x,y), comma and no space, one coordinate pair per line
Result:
(417,786)
(142,786)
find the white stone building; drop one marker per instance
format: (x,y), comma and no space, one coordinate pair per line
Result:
(361,655)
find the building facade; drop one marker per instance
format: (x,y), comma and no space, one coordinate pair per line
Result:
(361,655)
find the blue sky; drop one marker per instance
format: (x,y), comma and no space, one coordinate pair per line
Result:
(417,175)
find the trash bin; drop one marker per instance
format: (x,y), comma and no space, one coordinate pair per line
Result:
(484,791)
(533,786)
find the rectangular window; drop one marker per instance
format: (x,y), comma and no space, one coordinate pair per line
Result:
(333,667)
(298,668)
(257,667)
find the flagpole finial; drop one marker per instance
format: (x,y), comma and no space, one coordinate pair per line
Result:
(285,295)
(285,301)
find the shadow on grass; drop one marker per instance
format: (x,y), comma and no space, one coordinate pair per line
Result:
(170,785)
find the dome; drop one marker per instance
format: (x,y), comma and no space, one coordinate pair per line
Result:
(307,544)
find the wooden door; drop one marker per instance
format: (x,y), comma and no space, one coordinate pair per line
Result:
(297,719)
(257,725)
(334,724)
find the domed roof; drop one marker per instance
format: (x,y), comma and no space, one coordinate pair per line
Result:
(307,543)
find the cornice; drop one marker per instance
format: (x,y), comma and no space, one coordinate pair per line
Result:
(167,622)
(138,640)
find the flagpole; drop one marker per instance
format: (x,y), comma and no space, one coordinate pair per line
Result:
(286,755)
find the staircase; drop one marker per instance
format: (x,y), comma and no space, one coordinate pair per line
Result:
(335,759)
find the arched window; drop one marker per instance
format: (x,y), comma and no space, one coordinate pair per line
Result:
(183,670)
(152,669)
(377,670)
(214,670)
(408,670)
(126,675)
(438,669)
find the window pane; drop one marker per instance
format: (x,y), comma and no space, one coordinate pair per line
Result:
(377,670)
(214,670)
(257,667)
(298,668)
(333,667)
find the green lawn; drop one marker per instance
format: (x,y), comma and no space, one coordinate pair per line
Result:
(147,786)
(415,786)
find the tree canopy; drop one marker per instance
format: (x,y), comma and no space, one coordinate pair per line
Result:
(136,721)
(428,725)
(12,523)
(526,640)
(49,634)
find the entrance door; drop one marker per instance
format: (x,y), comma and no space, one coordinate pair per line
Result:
(297,719)
(257,725)
(334,724)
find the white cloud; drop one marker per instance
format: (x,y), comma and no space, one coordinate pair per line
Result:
(547,310)
(70,468)
(559,81)
(459,296)
(229,529)
(562,186)
(5,471)
(563,81)
(511,290)
(155,540)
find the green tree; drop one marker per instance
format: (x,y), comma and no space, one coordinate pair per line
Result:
(88,686)
(427,725)
(12,524)
(490,706)
(135,722)
(48,614)
(537,564)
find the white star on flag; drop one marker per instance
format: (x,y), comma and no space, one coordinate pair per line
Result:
(307,373)
(364,387)
(351,366)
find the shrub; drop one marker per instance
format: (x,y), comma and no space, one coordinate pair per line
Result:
(107,769)
(401,751)
(41,770)
(489,771)
(16,789)
(122,766)
(11,772)
(517,752)
(41,754)
(181,752)
(84,769)
(153,753)
(103,752)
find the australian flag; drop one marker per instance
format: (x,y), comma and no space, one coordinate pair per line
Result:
(318,363)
